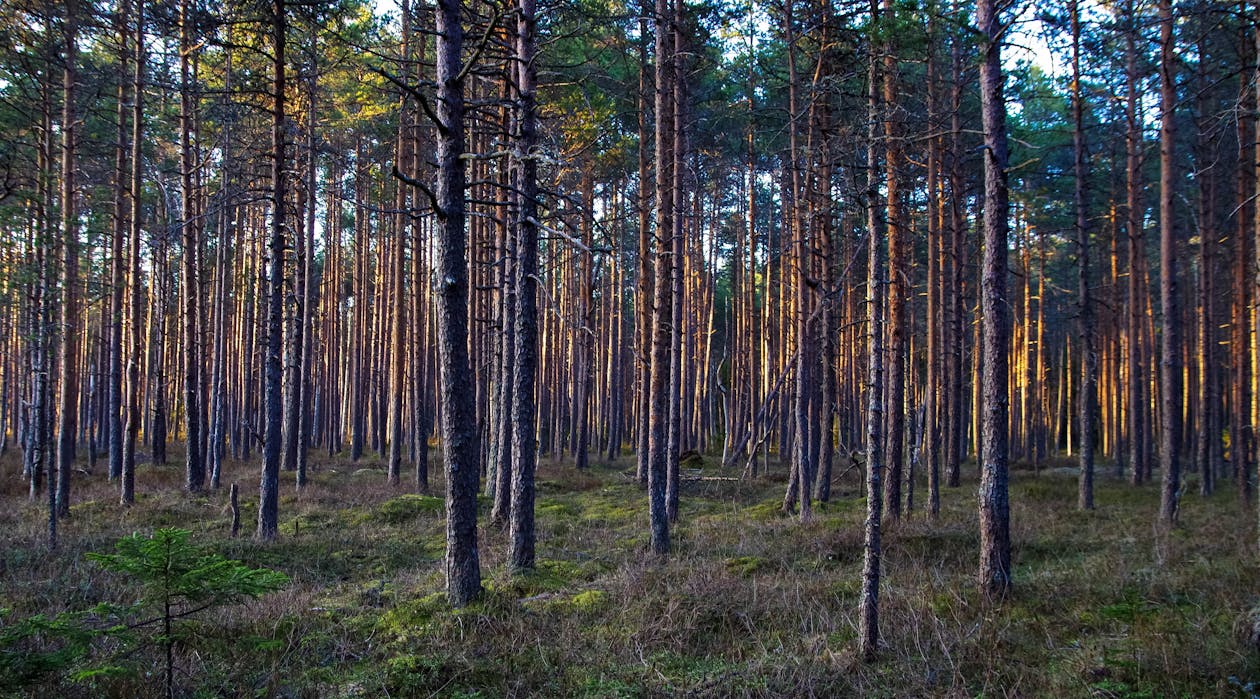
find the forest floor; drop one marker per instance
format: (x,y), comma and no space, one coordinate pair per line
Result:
(750,602)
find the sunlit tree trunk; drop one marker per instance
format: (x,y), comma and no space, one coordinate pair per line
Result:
(868,613)
(898,279)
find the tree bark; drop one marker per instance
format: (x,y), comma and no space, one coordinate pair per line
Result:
(1135,214)
(194,467)
(461,448)
(995,541)
(898,281)
(868,613)
(525,371)
(269,486)
(134,416)
(1089,360)
(113,408)
(658,409)
(1170,341)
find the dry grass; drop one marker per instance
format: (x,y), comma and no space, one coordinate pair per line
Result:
(749,604)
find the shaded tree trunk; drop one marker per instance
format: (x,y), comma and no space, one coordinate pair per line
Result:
(68,397)
(461,448)
(194,467)
(995,540)
(1089,361)
(658,409)
(1170,342)
(525,371)
(134,415)
(269,486)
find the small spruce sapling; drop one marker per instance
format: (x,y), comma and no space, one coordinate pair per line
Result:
(179,579)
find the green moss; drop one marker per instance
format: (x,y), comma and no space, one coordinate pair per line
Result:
(614,508)
(558,509)
(745,566)
(409,619)
(589,601)
(765,511)
(406,508)
(412,674)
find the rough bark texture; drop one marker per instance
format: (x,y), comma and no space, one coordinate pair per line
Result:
(127,493)
(1134,215)
(461,447)
(525,372)
(269,484)
(674,445)
(898,283)
(1170,334)
(68,397)
(995,538)
(194,466)
(868,613)
(1089,361)
(117,264)
(658,408)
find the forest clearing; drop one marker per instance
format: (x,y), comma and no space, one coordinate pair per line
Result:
(750,603)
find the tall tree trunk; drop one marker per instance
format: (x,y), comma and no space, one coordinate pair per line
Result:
(194,468)
(1089,360)
(898,280)
(934,317)
(868,614)
(461,448)
(1170,342)
(658,409)
(398,348)
(136,301)
(269,486)
(306,312)
(954,445)
(1241,435)
(995,539)
(677,258)
(68,398)
(1207,444)
(525,371)
(113,408)
(1135,215)
(645,281)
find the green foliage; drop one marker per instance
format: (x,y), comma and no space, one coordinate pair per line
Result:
(173,572)
(31,649)
(174,579)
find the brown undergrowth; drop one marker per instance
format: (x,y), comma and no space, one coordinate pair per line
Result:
(750,603)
